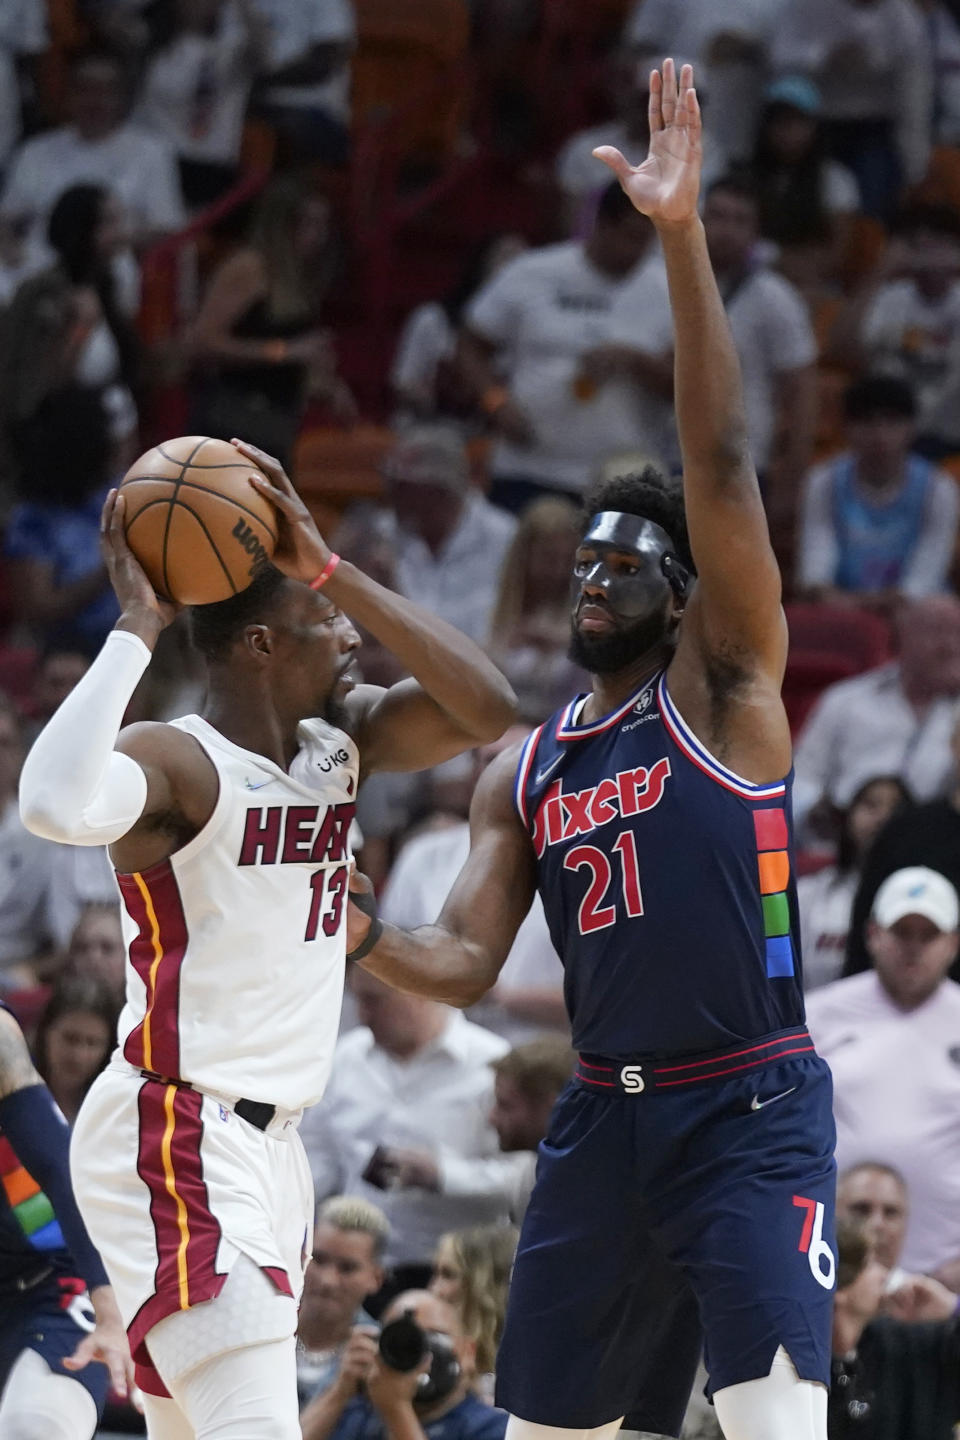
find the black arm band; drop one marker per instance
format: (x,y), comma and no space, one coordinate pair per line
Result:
(366,901)
(40,1138)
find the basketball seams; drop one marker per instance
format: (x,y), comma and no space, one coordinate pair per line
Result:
(182,505)
(204,490)
(173,500)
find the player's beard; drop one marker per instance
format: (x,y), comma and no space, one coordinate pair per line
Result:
(606,654)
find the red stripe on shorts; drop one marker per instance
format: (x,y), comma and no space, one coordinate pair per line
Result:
(187,1235)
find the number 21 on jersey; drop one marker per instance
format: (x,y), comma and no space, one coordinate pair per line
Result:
(594,914)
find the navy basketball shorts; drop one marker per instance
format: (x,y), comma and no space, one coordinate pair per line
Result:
(51,1319)
(674,1210)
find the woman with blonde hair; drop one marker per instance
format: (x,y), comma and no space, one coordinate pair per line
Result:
(258,333)
(530,628)
(471,1270)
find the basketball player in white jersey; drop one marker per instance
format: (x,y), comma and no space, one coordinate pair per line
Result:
(229,834)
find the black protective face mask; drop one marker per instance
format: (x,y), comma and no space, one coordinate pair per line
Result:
(639,602)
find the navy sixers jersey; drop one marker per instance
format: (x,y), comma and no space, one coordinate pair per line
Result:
(667,882)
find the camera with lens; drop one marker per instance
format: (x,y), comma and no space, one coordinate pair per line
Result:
(404,1345)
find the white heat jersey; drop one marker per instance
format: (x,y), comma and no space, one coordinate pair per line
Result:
(236,944)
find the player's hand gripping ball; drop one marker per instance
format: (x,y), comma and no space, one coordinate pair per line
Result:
(194,521)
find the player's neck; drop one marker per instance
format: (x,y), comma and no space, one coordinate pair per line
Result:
(256,728)
(610,691)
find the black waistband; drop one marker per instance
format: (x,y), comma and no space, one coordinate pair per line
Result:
(255,1112)
(633,1074)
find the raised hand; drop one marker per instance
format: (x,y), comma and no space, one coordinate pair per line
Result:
(301,552)
(135,594)
(666,186)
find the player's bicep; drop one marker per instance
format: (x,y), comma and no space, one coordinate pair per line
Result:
(495,889)
(180,779)
(402,728)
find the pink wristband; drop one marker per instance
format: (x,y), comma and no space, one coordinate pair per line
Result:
(325,573)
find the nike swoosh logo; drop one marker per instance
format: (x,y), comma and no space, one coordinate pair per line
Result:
(757,1104)
(256,787)
(542,774)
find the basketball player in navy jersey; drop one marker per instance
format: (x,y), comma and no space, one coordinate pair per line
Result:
(685,1187)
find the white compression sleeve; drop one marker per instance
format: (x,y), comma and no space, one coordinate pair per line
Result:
(74,787)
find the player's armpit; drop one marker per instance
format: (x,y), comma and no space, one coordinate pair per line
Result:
(16,1067)
(182,790)
(458,959)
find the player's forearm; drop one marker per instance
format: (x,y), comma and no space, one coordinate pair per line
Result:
(711,417)
(74,787)
(454,672)
(431,962)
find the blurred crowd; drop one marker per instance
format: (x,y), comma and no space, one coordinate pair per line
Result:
(234,217)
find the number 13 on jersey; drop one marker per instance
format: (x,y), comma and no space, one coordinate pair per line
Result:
(328,891)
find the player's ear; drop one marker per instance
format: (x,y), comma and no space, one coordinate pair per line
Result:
(259,639)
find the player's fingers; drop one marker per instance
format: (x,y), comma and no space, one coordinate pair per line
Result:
(655,103)
(618,163)
(288,505)
(669,91)
(115,1361)
(84,1353)
(270,466)
(106,514)
(359,884)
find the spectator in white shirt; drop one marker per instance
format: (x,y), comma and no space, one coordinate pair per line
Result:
(194,90)
(895,720)
(825,899)
(904,320)
(892,1038)
(774,339)
(405,1120)
(425,378)
(450,541)
(97,147)
(306,94)
(583,332)
(878,520)
(871,60)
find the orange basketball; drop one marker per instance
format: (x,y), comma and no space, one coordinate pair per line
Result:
(194,521)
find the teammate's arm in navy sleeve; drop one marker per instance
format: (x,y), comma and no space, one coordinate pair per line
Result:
(40,1138)
(458,959)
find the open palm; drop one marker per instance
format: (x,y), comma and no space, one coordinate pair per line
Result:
(667,185)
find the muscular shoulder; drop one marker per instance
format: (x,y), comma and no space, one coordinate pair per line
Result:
(16,1067)
(493,803)
(153,742)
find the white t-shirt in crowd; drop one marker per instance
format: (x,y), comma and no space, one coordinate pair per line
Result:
(138,168)
(293,31)
(825,901)
(865,727)
(460,582)
(546,309)
(23,31)
(427,338)
(772,332)
(438,1100)
(905,333)
(419,883)
(891,78)
(194,91)
(896,1079)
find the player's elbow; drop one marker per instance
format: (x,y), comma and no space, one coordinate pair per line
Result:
(498,714)
(41,816)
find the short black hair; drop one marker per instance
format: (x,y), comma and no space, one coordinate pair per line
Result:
(651,496)
(614,205)
(874,395)
(214,629)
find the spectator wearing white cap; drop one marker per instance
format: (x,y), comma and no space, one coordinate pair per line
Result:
(892,1038)
(450,542)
